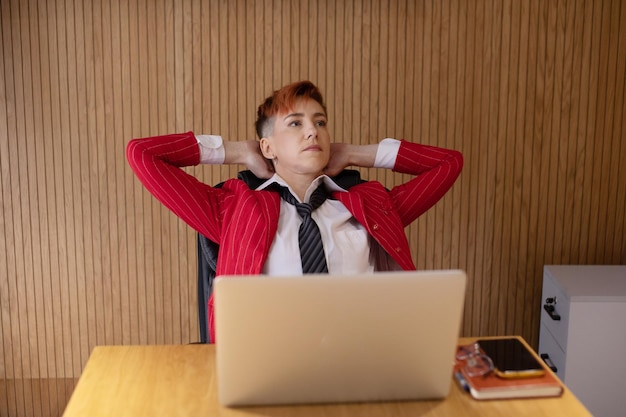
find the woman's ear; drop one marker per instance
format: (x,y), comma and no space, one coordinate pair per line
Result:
(266,148)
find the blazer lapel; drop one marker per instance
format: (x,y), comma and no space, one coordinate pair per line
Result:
(251,224)
(371,206)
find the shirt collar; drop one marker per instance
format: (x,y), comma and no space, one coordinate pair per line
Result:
(328,182)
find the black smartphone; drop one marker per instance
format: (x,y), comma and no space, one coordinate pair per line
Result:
(511,358)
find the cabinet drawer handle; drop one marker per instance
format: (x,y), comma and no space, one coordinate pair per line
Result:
(548,361)
(552,312)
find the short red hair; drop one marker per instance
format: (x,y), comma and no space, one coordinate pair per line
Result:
(283,100)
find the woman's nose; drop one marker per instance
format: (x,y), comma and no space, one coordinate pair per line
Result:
(311,132)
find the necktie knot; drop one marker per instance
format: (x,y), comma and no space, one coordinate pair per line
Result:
(304,209)
(309,237)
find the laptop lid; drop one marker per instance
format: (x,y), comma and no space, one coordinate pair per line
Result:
(321,338)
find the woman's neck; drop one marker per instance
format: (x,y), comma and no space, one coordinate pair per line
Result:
(299,184)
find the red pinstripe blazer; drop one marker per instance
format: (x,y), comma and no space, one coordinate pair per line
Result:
(243,221)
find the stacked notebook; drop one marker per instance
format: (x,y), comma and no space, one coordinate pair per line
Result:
(491,386)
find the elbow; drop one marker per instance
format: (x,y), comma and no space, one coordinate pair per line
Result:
(457,158)
(134,152)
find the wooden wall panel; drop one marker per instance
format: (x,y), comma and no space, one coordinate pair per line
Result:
(532,93)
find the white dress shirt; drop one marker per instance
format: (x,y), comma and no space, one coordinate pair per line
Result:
(346,242)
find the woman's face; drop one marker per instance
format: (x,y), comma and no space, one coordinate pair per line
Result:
(299,143)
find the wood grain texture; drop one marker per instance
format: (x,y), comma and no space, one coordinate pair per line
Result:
(531,92)
(181,380)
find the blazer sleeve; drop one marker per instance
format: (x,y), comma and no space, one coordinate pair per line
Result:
(435,169)
(158,161)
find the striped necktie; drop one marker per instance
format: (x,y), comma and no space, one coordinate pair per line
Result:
(309,238)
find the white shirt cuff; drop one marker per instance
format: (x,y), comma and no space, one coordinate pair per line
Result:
(387,153)
(211,149)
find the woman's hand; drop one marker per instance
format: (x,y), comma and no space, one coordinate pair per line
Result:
(343,155)
(248,153)
(339,159)
(256,162)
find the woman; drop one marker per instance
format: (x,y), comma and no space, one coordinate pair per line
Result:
(362,228)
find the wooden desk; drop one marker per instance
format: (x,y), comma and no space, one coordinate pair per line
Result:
(180,381)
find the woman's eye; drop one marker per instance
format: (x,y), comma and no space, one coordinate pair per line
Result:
(295,123)
(321,123)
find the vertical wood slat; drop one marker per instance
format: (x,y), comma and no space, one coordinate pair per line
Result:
(531,92)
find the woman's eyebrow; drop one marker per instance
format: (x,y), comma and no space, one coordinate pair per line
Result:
(293,115)
(319,114)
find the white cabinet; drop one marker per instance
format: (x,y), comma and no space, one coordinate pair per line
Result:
(583,333)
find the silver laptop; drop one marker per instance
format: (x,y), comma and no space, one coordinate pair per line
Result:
(327,339)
